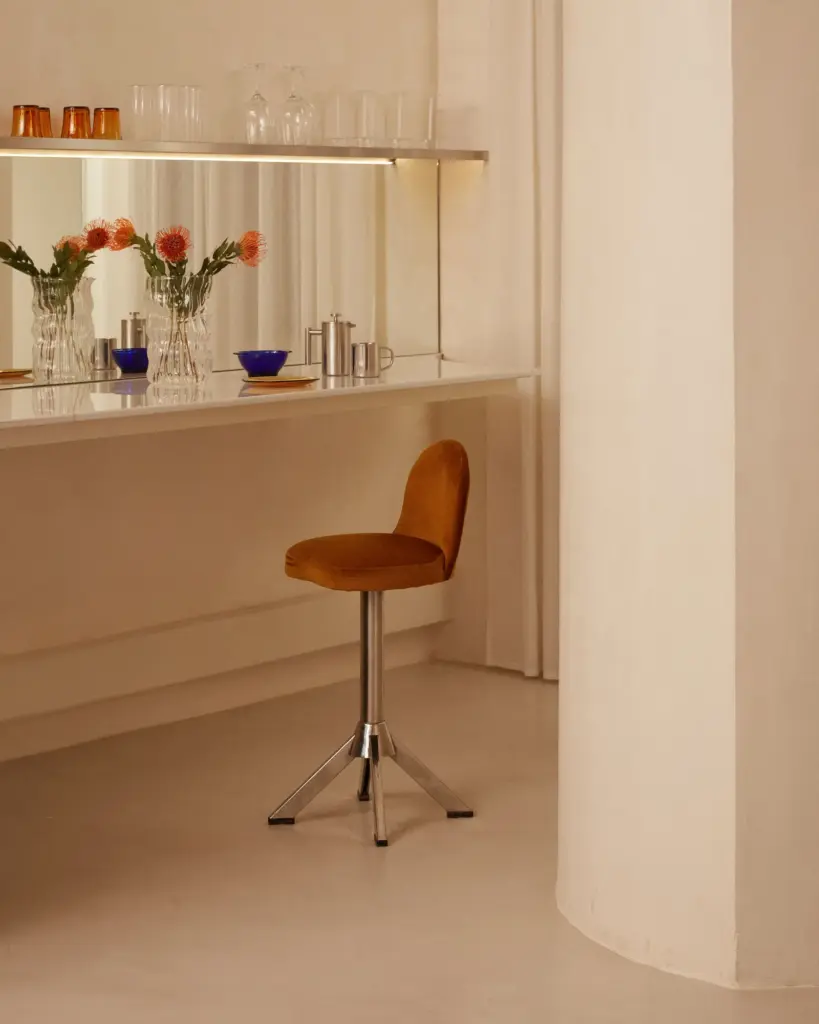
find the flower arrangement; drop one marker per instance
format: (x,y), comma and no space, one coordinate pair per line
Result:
(179,338)
(167,254)
(73,255)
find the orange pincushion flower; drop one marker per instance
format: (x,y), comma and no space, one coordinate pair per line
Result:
(98,235)
(252,248)
(74,242)
(172,244)
(124,232)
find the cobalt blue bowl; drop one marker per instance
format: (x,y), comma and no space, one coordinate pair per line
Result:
(262,362)
(131,360)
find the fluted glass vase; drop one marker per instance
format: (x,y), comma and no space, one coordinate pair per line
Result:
(179,348)
(61,352)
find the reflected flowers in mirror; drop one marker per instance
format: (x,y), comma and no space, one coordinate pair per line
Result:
(62,310)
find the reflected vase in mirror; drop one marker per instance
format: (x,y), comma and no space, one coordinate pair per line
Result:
(58,401)
(179,349)
(63,330)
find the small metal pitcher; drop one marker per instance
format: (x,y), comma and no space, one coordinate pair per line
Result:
(369,359)
(336,346)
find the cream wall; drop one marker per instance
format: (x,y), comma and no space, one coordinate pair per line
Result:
(135,564)
(647,797)
(777,312)
(90,51)
(689,773)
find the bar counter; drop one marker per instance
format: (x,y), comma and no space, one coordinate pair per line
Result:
(126,406)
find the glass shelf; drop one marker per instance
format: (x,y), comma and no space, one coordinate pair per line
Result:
(236,152)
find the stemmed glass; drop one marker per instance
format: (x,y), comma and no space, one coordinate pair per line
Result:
(298,115)
(259,125)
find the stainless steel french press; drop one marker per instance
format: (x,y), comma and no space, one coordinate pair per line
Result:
(336,346)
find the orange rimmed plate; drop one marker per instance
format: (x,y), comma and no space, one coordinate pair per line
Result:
(14,374)
(280,382)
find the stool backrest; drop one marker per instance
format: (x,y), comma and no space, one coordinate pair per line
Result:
(435,499)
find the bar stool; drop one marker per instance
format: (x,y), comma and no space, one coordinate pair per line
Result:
(422,550)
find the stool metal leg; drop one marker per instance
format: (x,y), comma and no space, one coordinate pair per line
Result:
(379,815)
(371,742)
(364,784)
(285,814)
(442,794)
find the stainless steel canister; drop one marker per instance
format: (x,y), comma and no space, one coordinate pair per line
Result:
(101,354)
(133,333)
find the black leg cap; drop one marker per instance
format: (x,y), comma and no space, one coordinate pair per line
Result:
(281,821)
(364,798)
(382,842)
(460,814)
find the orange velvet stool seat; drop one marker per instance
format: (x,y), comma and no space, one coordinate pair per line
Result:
(422,550)
(366,561)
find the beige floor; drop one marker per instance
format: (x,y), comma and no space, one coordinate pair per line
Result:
(142,884)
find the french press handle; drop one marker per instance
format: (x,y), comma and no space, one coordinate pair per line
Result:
(309,334)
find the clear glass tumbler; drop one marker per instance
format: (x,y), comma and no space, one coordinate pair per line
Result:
(370,117)
(167,113)
(338,112)
(410,120)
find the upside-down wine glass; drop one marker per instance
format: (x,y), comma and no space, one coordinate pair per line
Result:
(258,120)
(298,115)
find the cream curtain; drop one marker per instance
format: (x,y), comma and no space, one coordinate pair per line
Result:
(499,73)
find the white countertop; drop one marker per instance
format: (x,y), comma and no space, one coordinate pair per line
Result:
(70,412)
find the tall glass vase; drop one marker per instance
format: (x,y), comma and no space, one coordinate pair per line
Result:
(179,349)
(61,353)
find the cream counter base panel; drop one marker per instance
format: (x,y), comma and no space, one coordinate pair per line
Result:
(33,734)
(136,565)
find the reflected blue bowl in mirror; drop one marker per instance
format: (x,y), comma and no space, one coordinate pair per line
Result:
(131,360)
(262,362)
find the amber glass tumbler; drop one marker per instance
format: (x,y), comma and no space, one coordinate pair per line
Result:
(25,122)
(106,123)
(45,122)
(76,123)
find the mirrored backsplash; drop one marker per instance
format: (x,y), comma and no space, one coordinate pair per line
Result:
(361,241)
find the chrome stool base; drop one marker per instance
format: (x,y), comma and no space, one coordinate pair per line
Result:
(370,743)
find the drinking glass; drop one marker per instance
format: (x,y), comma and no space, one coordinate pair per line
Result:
(410,120)
(298,115)
(167,113)
(25,122)
(76,123)
(180,113)
(106,123)
(45,122)
(339,119)
(371,123)
(145,109)
(259,124)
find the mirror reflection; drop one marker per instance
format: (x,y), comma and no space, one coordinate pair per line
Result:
(361,241)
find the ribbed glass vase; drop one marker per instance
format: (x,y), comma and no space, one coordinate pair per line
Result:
(61,353)
(179,348)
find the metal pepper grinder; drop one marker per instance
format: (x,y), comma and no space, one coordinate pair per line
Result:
(336,346)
